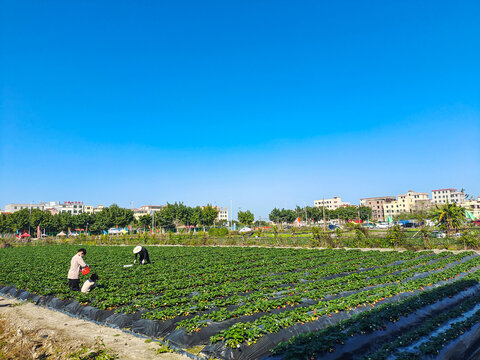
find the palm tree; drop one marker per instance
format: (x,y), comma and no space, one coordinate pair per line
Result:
(449,217)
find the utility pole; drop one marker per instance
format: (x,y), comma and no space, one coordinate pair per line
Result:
(305,204)
(30,218)
(324,220)
(153,222)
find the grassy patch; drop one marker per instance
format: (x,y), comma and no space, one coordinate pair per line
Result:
(196,349)
(99,352)
(164,349)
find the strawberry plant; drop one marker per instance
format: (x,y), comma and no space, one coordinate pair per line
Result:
(250,293)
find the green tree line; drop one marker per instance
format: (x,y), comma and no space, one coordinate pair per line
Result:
(178,214)
(173,215)
(315,214)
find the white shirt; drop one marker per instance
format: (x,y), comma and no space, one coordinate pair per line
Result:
(87,286)
(75,265)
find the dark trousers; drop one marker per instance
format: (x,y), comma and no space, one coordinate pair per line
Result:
(74,284)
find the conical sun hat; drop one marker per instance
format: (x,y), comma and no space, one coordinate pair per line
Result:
(137,249)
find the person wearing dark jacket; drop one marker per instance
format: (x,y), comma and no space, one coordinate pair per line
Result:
(143,253)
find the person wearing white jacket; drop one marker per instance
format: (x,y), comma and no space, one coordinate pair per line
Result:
(90,283)
(76,264)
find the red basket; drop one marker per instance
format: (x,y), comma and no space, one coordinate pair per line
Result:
(85,270)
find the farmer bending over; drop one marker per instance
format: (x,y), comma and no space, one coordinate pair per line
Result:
(90,283)
(144,258)
(75,266)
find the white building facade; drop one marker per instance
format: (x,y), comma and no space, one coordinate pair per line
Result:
(442,196)
(222,214)
(473,206)
(54,207)
(331,204)
(147,210)
(405,203)
(11,208)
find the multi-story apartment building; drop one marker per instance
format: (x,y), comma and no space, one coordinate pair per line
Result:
(405,203)
(421,205)
(376,204)
(442,196)
(11,208)
(54,207)
(98,209)
(473,206)
(88,209)
(331,204)
(222,214)
(72,207)
(147,210)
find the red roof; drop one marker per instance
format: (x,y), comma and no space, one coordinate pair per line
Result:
(444,190)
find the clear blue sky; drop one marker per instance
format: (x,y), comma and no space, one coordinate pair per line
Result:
(266,103)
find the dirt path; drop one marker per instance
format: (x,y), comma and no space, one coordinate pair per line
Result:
(28,331)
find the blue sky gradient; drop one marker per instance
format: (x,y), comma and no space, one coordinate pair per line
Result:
(265,103)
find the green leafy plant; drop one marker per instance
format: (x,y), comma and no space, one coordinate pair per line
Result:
(396,235)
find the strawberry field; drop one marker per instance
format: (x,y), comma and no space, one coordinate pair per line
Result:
(251,303)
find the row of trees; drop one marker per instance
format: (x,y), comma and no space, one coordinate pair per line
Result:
(315,214)
(29,220)
(173,215)
(178,214)
(448,217)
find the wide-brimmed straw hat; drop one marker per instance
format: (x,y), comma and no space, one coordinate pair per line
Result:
(137,249)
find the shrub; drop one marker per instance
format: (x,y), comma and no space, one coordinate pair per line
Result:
(396,235)
(218,232)
(469,239)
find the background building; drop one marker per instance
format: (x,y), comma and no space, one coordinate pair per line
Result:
(54,207)
(98,209)
(406,203)
(331,204)
(473,206)
(89,209)
(72,207)
(147,210)
(376,204)
(222,214)
(11,208)
(442,196)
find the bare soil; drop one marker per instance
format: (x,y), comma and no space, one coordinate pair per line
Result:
(28,331)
